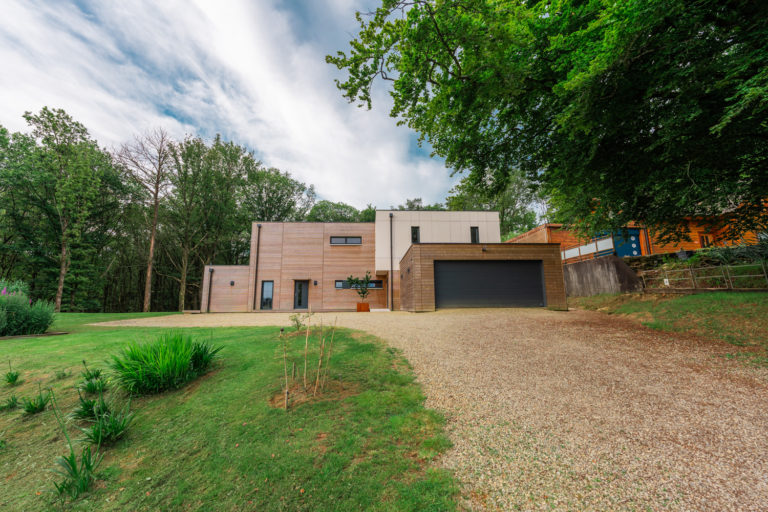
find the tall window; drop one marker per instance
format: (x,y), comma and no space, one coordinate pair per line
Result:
(705,240)
(267,288)
(415,234)
(474,234)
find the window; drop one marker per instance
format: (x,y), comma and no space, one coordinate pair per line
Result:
(705,240)
(266,294)
(474,234)
(376,284)
(346,240)
(415,234)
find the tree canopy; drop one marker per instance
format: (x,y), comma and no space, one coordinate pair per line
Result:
(514,203)
(649,111)
(328,211)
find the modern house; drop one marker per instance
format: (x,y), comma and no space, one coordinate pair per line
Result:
(635,240)
(419,261)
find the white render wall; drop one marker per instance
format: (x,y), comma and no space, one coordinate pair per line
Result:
(434,227)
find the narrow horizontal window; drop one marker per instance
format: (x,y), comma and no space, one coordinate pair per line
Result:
(376,284)
(346,240)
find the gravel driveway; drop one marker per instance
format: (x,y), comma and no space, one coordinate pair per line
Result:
(576,410)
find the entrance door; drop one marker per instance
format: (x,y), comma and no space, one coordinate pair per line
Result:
(300,294)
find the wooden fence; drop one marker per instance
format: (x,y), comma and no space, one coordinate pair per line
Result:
(751,276)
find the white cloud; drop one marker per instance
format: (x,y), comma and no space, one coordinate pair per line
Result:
(253,71)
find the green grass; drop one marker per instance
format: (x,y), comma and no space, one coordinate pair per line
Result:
(740,319)
(79,322)
(218,444)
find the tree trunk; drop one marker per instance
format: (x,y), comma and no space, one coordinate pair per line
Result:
(62,276)
(183,279)
(148,282)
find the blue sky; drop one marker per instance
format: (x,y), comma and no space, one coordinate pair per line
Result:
(253,71)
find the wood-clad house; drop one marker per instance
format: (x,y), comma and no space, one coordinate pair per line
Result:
(297,266)
(634,240)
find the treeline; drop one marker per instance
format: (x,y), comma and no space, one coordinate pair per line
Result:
(130,229)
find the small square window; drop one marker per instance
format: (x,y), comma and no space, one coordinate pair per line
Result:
(474,234)
(415,236)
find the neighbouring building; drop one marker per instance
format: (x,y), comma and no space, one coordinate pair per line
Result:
(635,240)
(419,261)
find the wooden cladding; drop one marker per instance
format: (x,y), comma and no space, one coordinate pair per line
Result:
(417,269)
(314,252)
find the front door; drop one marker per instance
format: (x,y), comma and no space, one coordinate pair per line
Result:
(300,294)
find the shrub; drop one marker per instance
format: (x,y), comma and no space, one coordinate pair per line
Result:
(108,426)
(40,317)
(13,287)
(298,320)
(36,404)
(19,316)
(78,475)
(62,374)
(168,362)
(10,403)
(12,377)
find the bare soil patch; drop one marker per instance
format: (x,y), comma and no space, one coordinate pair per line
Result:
(297,395)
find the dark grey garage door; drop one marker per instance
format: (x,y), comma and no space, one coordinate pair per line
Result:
(463,284)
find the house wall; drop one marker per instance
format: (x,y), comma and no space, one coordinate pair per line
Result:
(434,226)
(556,233)
(302,251)
(695,230)
(225,297)
(417,271)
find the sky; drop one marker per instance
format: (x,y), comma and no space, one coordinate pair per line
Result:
(252,71)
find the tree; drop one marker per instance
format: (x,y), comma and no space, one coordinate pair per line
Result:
(514,203)
(327,211)
(63,180)
(147,159)
(649,111)
(185,209)
(274,196)
(418,204)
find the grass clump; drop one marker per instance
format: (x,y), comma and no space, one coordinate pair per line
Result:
(93,386)
(168,362)
(77,474)
(10,403)
(89,408)
(89,374)
(61,374)
(36,404)
(12,376)
(109,425)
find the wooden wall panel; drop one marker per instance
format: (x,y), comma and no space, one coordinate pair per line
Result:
(225,297)
(302,251)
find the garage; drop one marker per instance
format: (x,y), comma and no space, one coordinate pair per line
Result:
(483,283)
(474,275)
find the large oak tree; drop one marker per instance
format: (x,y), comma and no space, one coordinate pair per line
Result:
(652,110)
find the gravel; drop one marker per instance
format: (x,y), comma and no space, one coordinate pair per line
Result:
(576,410)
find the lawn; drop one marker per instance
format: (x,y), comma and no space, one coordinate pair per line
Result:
(737,318)
(366,443)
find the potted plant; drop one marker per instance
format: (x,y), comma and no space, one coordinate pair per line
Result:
(361,285)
